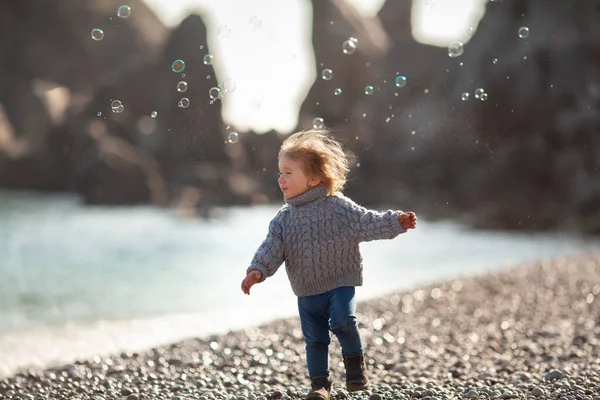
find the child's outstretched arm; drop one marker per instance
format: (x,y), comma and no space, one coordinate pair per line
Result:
(366,225)
(268,258)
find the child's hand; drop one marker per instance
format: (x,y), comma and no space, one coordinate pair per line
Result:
(408,220)
(250,279)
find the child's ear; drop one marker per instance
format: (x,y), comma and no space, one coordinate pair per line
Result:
(314,181)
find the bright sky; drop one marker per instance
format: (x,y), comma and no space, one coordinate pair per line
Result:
(264,46)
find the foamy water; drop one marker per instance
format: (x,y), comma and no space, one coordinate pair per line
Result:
(77,282)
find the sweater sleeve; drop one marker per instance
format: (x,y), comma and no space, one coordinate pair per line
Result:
(270,255)
(367,225)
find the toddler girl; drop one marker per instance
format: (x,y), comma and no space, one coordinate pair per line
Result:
(317,233)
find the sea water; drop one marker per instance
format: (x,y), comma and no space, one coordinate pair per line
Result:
(77,281)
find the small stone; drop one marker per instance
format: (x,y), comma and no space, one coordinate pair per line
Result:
(553,375)
(400,368)
(537,392)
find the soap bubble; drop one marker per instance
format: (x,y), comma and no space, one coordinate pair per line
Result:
(153,114)
(224,31)
(478,92)
(182,86)
(337,91)
(400,81)
(208,59)
(228,85)
(215,93)
(355,40)
(318,123)
(470,31)
(523,32)
(465,96)
(184,103)
(117,106)
(124,11)
(495,61)
(327,74)
(483,96)
(369,90)
(232,137)
(99,114)
(97,34)
(255,22)
(178,66)
(455,49)
(349,46)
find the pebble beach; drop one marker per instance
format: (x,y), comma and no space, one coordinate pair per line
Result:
(527,332)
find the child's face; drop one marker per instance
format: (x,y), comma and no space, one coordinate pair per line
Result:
(292,178)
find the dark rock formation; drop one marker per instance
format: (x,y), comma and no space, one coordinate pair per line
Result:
(528,156)
(384,156)
(153,151)
(334,22)
(50,41)
(183,146)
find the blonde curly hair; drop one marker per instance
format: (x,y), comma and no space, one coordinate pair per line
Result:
(321,155)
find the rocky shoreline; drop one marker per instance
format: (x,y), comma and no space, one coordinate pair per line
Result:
(530,332)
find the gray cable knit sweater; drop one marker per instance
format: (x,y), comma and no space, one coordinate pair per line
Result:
(318,237)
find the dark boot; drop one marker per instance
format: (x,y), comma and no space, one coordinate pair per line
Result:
(356,373)
(321,388)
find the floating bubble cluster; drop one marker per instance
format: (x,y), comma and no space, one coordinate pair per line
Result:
(184,103)
(182,86)
(232,137)
(456,49)
(255,22)
(208,59)
(523,32)
(349,46)
(117,107)
(215,93)
(400,81)
(318,123)
(124,11)
(224,32)
(178,66)
(327,74)
(228,85)
(97,34)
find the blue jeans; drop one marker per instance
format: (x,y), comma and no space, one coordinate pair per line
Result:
(332,311)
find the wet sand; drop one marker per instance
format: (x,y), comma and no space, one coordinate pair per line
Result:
(528,332)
